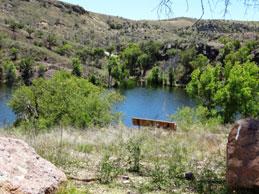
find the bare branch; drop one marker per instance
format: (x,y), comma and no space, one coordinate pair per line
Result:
(166,6)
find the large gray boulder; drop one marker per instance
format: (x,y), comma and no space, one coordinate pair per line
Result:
(23,171)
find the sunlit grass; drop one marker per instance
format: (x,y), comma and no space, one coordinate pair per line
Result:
(81,152)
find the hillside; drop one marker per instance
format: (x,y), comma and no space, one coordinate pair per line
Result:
(36,20)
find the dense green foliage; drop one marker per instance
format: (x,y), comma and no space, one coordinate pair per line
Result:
(230,88)
(63,100)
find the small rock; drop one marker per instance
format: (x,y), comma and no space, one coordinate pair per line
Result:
(189,176)
(125,177)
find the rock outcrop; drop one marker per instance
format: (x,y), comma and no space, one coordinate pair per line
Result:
(243,155)
(23,171)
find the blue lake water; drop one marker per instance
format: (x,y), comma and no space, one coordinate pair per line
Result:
(7,117)
(151,103)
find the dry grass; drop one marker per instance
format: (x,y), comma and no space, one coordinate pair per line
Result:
(81,151)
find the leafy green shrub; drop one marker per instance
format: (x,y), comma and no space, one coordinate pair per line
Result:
(77,67)
(108,170)
(170,174)
(187,116)
(65,49)
(63,100)
(134,154)
(159,177)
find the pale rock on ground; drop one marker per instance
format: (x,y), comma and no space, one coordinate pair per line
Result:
(23,171)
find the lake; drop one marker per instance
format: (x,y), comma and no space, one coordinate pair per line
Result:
(7,117)
(151,103)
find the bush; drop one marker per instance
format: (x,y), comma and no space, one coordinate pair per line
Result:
(134,154)
(77,67)
(159,178)
(108,170)
(65,49)
(187,117)
(63,100)
(169,174)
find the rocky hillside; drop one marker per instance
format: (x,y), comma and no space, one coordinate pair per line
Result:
(36,20)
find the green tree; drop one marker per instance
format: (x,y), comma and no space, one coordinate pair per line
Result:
(154,76)
(9,72)
(229,94)
(112,63)
(119,73)
(130,57)
(63,100)
(26,69)
(240,92)
(204,85)
(77,67)
(144,61)
(199,61)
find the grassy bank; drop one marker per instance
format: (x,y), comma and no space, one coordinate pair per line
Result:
(143,160)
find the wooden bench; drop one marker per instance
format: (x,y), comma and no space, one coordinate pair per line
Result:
(154,123)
